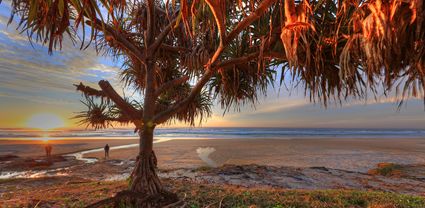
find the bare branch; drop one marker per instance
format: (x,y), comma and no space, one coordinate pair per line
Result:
(249,57)
(154,47)
(238,60)
(241,26)
(123,105)
(166,86)
(217,7)
(150,34)
(217,53)
(248,20)
(174,49)
(165,115)
(120,38)
(101,115)
(88,91)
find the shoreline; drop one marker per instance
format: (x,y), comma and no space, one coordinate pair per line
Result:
(345,154)
(294,164)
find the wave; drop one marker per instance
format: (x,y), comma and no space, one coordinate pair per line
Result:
(222,133)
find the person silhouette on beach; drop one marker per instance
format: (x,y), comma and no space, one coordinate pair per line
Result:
(106,151)
(48,149)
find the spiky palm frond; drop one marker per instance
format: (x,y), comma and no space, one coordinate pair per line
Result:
(368,43)
(133,74)
(199,109)
(101,114)
(240,85)
(96,115)
(49,21)
(388,40)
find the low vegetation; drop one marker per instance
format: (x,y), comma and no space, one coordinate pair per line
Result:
(387,169)
(81,193)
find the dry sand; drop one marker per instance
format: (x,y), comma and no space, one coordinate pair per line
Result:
(338,153)
(347,154)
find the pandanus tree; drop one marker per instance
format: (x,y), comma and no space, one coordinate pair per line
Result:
(181,56)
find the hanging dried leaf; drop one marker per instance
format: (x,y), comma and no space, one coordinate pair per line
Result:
(296,25)
(218,7)
(185,16)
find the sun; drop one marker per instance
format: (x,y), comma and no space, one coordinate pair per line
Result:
(45,121)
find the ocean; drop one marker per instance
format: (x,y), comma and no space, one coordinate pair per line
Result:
(248,133)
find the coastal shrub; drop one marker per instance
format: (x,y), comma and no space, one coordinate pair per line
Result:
(386,169)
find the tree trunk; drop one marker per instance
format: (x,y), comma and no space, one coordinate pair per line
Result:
(146,190)
(144,178)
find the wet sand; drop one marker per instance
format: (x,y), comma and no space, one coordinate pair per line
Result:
(339,153)
(285,163)
(32,148)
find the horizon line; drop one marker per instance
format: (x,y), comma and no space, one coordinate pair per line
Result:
(201,127)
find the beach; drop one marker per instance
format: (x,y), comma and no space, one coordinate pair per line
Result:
(347,154)
(388,165)
(359,154)
(28,147)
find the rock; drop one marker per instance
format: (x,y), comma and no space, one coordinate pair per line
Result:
(307,178)
(7,157)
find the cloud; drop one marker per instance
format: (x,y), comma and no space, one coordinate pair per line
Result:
(39,99)
(105,68)
(284,104)
(10,32)
(30,73)
(381,100)
(299,112)
(3,20)
(15,36)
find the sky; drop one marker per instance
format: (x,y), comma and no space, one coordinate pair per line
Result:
(34,83)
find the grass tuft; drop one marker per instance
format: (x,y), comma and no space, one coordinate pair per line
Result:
(387,169)
(198,195)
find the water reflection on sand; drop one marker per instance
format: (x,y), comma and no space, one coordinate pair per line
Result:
(62,171)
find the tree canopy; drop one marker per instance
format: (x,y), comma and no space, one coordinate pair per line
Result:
(229,50)
(181,55)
